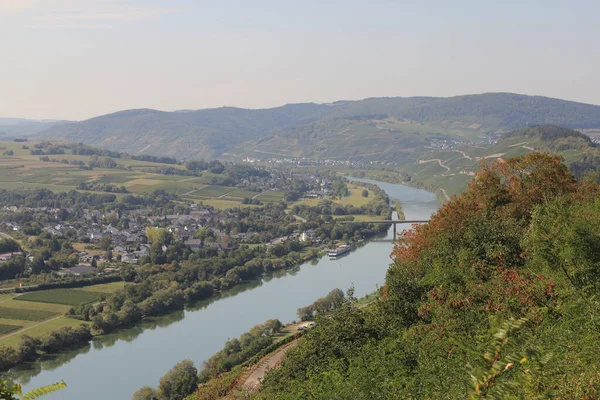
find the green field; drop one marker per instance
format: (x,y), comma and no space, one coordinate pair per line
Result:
(241,193)
(270,196)
(26,315)
(6,296)
(223,204)
(41,330)
(61,296)
(213,191)
(32,305)
(5,329)
(103,288)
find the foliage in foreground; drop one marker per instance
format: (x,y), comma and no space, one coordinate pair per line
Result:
(495,298)
(14,392)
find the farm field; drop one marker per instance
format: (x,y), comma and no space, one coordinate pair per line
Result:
(270,196)
(356,199)
(41,330)
(224,204)
(70,297)
(23,170)
(33,305)
(103,288)
(5,329)
(5,296)
(27,315)
(39,313)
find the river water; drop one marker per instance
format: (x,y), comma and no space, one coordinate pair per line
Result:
(116,365)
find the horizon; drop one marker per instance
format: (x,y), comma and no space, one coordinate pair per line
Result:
(76,59)
(50,119)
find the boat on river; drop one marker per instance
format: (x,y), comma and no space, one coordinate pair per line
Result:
(340,251)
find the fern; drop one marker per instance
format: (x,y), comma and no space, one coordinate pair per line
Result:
(9,392)
(41,391)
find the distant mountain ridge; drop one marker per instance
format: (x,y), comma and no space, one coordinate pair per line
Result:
(382,128)
(17,127)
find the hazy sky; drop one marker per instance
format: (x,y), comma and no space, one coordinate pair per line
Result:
(75,59)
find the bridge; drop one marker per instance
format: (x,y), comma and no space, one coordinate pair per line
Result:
(386,221)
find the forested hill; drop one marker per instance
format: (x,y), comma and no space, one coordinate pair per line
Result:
(377,128)
(494,298)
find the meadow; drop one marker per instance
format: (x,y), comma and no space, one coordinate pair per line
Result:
(70,297)
(27,315)
(5,329)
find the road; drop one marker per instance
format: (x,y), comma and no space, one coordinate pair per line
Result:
(438,161)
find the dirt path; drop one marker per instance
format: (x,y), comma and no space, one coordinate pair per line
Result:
(228,193)
(518,144)
(497,155)
(438,161)
(29,327)
(299,218)
(253,381)
(463,154)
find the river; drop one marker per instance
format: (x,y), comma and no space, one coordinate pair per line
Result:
(116,365)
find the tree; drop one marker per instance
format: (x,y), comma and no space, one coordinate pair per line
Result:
(365,193)
(179,382)
(108,255)
(159,236)
(145,393)
(105,243)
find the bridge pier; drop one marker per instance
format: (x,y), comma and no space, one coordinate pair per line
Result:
(394,237)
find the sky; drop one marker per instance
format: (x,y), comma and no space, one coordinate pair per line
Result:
(76,59)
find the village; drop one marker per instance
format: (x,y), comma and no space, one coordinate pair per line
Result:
(115,238)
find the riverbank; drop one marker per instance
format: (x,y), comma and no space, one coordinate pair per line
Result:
(246,378)
(67,325)
(398,179)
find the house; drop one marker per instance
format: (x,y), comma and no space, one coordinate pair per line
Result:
(194,244)
(129,258)
(6,256)
(216,245)
(143,251)
(307,236)
(120,249)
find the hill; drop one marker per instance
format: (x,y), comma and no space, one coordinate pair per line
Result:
(452,168)
(376,129)
(494,298)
